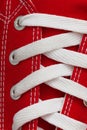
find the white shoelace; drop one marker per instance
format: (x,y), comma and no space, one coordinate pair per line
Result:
(53,48)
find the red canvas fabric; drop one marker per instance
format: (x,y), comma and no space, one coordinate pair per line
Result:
(10,39)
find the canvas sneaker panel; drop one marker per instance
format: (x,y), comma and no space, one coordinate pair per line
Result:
(11,39)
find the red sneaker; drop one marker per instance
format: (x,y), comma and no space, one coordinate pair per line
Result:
(43,65)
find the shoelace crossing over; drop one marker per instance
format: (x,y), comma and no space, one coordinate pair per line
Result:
(52,47)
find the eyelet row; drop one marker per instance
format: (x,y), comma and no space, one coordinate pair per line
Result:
(14,61)
(12,57)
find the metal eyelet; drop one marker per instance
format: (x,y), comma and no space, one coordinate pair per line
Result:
(85,103)
(12,94)
(17,24)
(13,59)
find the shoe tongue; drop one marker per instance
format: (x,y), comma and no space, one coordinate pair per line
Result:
(74,107)
(69,8)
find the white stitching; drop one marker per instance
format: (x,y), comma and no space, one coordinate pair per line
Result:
(75,74)
(3,56)
(28,5)
(25,6)
(69,98)
(36,65)
(80,71)
(17,9)
(9,10)
(18,6)
(67,105)
(2,20)
(23,1)
(32,62)
(5,37)
(32,69)
(2,15)
(10,17)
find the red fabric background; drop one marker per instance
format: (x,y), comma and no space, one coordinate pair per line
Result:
(11,39)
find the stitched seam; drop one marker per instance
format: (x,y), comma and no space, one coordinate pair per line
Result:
(2,20)
(29,6)
(2,15)
(80,71)
(18,6)
(3,62)
(32,67)
(10,17)
(33,70)
(67,105)
(14,13)
(25,3)
(69,98)
(9,10)
(29,126)
(33,125)
(36,67)
(25,6)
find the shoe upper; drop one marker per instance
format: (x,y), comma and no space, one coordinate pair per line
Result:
(11,39)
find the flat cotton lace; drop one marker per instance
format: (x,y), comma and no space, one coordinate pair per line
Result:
(53,75)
